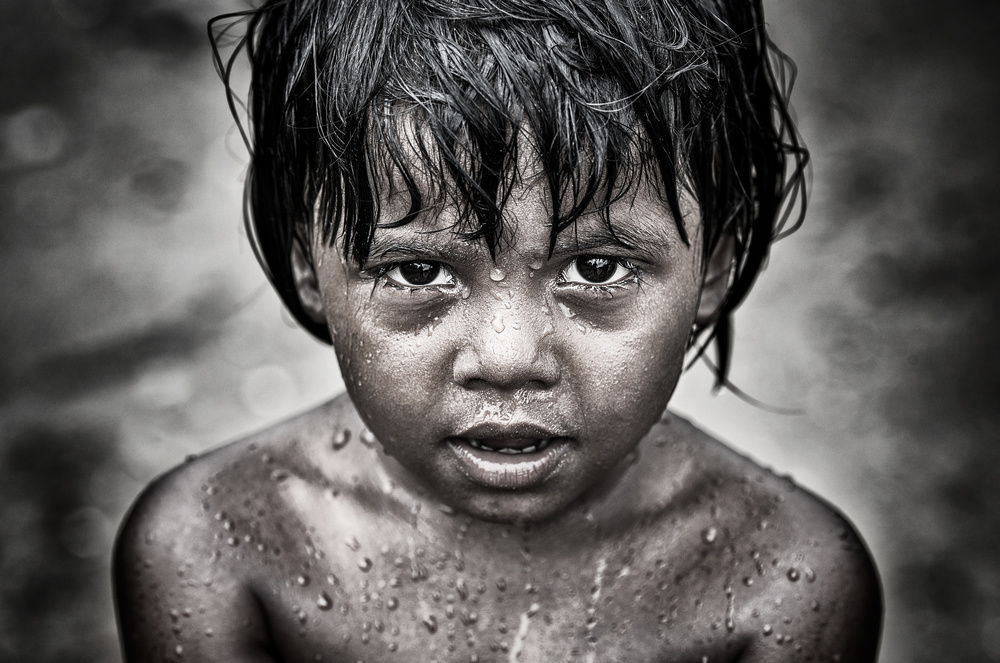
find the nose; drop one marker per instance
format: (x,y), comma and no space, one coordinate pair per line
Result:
(513,350)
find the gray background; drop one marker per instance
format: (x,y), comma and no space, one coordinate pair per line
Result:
(136,328)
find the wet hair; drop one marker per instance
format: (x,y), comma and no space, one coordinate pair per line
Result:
(354,101)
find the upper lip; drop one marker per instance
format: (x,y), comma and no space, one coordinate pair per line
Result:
(508,431)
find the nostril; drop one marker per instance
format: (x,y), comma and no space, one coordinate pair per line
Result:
(505,360)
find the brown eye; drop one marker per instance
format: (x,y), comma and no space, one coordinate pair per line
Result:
(596,270)
(419,273)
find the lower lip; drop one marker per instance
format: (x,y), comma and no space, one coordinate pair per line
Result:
(508,471)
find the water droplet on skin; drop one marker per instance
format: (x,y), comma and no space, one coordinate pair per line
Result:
(324,602)
(730,624)
(497,275)
(767,630)
(179,650)
(810,574)
(302,580)
(279,475)
(341,439)
(233,541)
(793,574)
(814,605)
(431,622)
(449,611)
(367,438)
(393,646)
(209,632)
(497,324)
(501,584)
(365,564)
(353,543)
(533,609)
(392,603)
(709,534)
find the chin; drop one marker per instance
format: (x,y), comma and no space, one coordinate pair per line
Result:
(512,507)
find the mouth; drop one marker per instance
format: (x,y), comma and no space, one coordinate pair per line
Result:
(508,457)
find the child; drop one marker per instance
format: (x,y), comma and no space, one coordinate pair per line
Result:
(512,220)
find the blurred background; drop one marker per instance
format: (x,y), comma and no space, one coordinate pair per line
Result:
(136,328)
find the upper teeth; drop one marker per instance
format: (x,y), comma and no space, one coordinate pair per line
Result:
(508,450)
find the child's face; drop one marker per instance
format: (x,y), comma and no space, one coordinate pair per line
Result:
(559,365)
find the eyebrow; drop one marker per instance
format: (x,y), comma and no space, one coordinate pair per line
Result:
(427,245)
(642,237)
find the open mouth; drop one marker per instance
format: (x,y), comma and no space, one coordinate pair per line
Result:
(510,463)
(511,450)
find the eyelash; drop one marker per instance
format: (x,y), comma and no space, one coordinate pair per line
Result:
(381,279)
(635,276)
(378,274)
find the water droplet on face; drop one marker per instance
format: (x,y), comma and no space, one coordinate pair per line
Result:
(365,564)
(793,574)
(497,323)
(431,622)
(324,602)
(233,541)
(302,580)
(767,630)
(497,274)
(709,534)
(533,609)
(392,603)
(367,438)
(341,439)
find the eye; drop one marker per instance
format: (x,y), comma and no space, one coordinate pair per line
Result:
(419,274)
(596,270)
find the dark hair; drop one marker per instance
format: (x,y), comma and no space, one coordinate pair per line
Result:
(348,97)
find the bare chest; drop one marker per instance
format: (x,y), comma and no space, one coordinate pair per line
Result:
(419,600)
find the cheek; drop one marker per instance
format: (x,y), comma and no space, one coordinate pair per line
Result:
(632,372)
(389,372)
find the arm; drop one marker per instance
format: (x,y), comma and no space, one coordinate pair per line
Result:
(178,592)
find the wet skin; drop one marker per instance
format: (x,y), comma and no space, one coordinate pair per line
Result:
(613,533)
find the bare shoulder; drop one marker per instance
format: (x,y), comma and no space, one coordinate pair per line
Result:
(802,582)
(185,586)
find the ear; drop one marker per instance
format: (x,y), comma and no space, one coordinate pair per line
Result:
(306,283)
(716,281)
